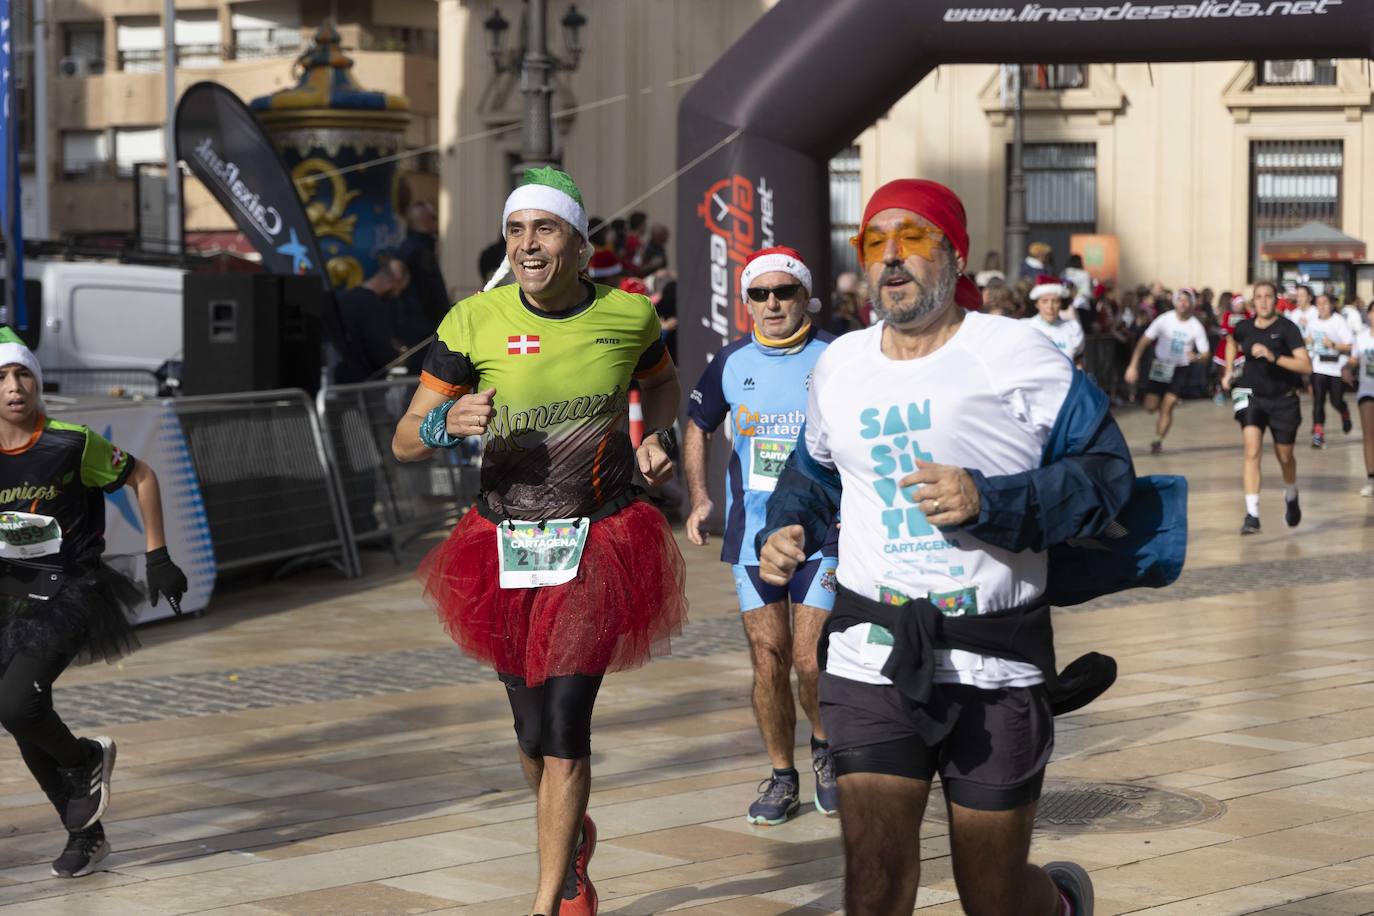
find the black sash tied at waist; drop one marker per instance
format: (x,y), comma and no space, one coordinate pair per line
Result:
(1022,634)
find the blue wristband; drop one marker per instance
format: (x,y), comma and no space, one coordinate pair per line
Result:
(434,428)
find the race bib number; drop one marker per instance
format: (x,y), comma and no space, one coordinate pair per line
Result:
(1369,364)
(766,458)
(24,536)
(535,554)
(1240,399)
(1161,371)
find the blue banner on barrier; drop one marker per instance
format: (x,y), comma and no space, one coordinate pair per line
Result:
(152,433)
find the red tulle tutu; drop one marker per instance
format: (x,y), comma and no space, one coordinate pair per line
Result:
(627,600)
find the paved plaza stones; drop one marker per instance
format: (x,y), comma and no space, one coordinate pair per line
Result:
(317,746)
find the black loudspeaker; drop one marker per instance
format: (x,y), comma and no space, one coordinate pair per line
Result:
(250,332)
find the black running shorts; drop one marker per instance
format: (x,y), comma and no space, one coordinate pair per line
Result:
(1281,416)
(1174,386)
(993,760)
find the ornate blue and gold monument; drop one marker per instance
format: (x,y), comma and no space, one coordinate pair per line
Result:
(325,128)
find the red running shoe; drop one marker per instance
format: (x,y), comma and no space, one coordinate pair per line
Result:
(579,894)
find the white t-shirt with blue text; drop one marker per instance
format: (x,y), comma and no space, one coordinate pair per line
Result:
(1177,341)
(1322,336)
(987,400)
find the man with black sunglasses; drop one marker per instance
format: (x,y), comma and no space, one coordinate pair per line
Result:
(760,382)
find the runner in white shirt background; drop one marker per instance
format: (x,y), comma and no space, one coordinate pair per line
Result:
(1064,332)
(1329,341)
(1180,340)
(1305,309)
(1360,373)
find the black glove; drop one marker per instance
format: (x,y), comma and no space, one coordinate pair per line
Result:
(165,578)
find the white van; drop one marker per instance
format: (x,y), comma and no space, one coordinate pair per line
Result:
(104,315)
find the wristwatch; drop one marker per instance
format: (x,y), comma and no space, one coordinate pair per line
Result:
(667,440)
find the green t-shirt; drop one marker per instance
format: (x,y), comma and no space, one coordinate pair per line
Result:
(558,446)
(64,471)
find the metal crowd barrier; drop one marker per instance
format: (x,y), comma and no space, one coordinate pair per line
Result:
(267,479)
(1100,361)
(284,480)
(384,499)
(113,383)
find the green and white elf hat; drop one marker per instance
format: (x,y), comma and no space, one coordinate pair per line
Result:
(552,191)
(13,350)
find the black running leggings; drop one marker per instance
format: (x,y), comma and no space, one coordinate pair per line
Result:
(1323,387)
(555,718)
(26,712)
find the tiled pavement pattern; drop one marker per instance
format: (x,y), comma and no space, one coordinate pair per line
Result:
(374,773)
(210,692)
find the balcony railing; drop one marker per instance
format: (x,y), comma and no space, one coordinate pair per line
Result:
(264,51)
(142,61)
(199,56)
(88,169)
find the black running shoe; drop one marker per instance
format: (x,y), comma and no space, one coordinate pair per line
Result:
(88,787)
(1318,441)
(1293,514)
(1074,881)
(1156,447)
(1251,525)
(85,850)
(1346,425)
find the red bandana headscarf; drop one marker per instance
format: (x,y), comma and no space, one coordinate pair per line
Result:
(943,208)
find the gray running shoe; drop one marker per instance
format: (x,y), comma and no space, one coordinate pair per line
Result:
(1074,881)
(827,789)
(85,850)
(779,802)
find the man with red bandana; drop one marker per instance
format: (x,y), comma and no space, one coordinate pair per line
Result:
(958,448)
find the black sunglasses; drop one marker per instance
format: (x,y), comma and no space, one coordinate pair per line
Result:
(785,293)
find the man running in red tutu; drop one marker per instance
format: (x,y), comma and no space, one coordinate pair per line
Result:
(560,574)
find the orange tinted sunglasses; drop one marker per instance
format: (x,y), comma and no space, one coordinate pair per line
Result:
(912,240)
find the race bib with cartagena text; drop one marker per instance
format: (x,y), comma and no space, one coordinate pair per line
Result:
(535,554)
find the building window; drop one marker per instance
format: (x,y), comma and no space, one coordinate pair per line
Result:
(1306,72)
(422,42)
(846,209)
(1061,196)
(133,145)
(266,29)
(257,43)
(22,64)
(1054,76)
(85,153)
(83,49)
(1292,182)
(198,38)
(138,40)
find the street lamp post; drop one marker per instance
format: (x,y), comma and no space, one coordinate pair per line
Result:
(536,67)
(1017,230)
(536,144)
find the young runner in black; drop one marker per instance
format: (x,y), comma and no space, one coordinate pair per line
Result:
(59,602)
(1265,396)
